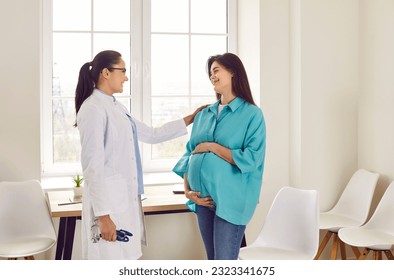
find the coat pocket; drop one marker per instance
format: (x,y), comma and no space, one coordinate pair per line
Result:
(118,194)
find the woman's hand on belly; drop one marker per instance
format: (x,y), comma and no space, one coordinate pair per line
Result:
(204,147)
(219,150)
(203,201)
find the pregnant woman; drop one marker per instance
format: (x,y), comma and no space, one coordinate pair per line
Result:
(224,160)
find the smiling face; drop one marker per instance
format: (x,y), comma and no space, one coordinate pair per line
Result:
(117,76)
(112,78)
(227,73)
(221,79)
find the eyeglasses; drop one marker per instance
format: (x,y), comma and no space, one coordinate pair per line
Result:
(117,68)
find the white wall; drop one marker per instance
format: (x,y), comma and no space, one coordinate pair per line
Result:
(328,89)
(309,84)
(340,95)
(376,99)
(20,90)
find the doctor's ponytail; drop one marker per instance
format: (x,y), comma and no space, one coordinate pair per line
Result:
(90,73)
(85,86)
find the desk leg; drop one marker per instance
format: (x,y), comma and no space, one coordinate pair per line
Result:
(65,239)
(69,240)
(60,238)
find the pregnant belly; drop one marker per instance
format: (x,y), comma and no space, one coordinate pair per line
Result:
(206,171)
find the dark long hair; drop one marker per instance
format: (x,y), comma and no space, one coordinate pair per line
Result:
(240,83)
(90,73)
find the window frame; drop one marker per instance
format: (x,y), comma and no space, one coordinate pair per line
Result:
(139,78)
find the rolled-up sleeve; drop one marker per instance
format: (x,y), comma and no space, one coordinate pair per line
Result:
(252,155)
(182,165)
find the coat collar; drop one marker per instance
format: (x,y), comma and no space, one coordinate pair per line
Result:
(103,96)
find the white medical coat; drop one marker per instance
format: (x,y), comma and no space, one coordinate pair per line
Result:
(110,172)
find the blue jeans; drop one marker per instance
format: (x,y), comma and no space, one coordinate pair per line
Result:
(222,239)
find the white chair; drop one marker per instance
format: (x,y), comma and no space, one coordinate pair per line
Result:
(290,230)
(26,226)
(377,234)
(351,210)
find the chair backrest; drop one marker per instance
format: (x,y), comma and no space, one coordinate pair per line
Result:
(355,200)
(383,217)
(24,211)
(292,222)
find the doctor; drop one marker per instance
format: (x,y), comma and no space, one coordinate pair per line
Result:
(111,161)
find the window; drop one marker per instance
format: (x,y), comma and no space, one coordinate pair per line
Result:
(165,44)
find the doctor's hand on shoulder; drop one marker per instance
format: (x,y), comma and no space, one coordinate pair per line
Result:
(190,118)
(107,228)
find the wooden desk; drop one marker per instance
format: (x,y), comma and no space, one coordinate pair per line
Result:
(159,200)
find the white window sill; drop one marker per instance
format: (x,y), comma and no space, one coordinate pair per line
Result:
(49,183)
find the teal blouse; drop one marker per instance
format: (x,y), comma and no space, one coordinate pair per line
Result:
(235,189)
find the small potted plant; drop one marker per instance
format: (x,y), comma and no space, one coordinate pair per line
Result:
(78,185)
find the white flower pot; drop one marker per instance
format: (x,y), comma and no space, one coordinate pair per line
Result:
(78,192)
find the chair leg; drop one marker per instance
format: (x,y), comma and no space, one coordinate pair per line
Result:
(356,251)
(377,255)
(364,254)
(323,244)
(342,246)
(26,258)
(389,255)
(334,249)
